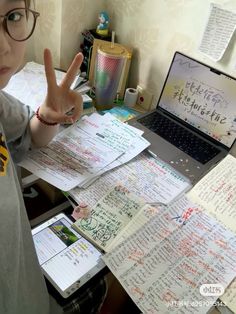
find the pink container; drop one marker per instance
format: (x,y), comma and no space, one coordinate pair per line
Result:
(109,65)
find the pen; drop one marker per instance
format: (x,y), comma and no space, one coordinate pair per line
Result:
(152,154)
(70,198)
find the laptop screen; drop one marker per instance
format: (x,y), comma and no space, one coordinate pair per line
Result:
(202,97)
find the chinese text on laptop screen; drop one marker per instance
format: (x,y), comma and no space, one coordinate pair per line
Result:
(202,98)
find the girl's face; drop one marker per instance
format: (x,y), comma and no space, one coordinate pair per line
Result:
(11,51)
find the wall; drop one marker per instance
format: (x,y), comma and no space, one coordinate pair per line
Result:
(154,28)
(157,28)
(48,30)
(59,28)
(77,15)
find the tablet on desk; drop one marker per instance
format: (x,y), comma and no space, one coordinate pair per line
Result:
(67,260)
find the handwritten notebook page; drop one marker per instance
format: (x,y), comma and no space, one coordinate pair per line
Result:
(218,32)
(70,158)
(111,128)
(109,216)
(30,85)
(146,213)
(229,297)
(82,151)
(163,264)
(145,176)
(216,192)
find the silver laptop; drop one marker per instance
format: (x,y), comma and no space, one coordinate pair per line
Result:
(194,124)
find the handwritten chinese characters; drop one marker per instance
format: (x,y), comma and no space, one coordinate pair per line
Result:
(216,192)
(218,32)
(163,264)
(201,96)
(109,216)
(147,177)
(201,100)
(85,150)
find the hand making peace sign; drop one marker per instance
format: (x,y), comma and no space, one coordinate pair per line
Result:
(60,98)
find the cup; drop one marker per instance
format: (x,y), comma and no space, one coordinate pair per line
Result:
(110,61)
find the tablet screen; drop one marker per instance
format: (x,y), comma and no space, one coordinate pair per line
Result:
(66,258)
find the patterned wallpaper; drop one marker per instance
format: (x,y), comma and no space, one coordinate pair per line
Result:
(47,32)
(154,28)
(59,28)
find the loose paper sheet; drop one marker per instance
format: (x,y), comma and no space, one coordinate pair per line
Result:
(218,32)
(147,177)
(229,297)
(30,85)
(147,212)
(111,128)
(70,158)
(216,192)
(81,152)
(163,264)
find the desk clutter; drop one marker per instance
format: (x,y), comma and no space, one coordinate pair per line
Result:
(120,195)
(163,239)
(169,250)
(30,86)
(85,150)
(167,263)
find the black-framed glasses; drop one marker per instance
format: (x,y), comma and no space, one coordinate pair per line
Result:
(19,23)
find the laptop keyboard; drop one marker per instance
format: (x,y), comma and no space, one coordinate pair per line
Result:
(180,137)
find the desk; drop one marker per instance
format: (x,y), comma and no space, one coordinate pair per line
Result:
(123,296)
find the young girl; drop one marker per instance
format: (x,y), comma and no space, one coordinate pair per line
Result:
(22,286)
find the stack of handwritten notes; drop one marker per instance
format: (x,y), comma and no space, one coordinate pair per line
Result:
(118,197)
(171,252)
(82,152)
(150,179)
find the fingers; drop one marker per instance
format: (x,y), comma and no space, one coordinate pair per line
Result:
(72,71)
(76,103)
(49,70)
(61,98)
(78,108)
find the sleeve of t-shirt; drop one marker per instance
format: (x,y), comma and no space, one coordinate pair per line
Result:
(15,117)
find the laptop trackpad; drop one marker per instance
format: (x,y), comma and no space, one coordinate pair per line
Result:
(163,149)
